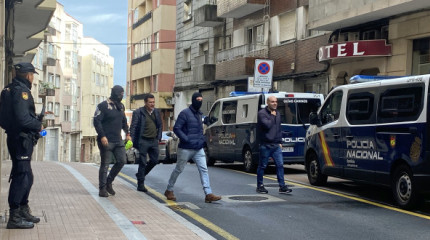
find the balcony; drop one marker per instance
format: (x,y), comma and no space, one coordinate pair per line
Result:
(238,8)
(248,50)
(142,20)
(46,90)
(203,71)
(50,57)
(206,16)
(238,63)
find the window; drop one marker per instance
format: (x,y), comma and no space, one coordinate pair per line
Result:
(68,31)
(188,6)
(359,109)
(421,56)
(187,59)
(97,99)
(256,37)
(229,110)
(51,79)
(331,110)
(97,79)
(156,40)
(57,81)
(214,114)
(400,104)
(66,116)
(57,109)
(287,26)
(67,86)
(50,107)
(155,83)
(93,99)
(68,58)
(245,111)
(135,15)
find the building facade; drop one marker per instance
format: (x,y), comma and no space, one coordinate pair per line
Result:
(219,41)
(382,38)
(151,55)
(97,82)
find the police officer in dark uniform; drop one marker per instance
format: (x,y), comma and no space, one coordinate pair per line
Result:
(21,138)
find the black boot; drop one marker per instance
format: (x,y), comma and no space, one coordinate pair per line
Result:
(26,214)
(141,187)
(109,188)
(16,221)
(103,192)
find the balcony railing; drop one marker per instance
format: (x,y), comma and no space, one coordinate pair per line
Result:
(142,20)
(248,50)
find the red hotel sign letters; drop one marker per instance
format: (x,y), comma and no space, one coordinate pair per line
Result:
(367,48)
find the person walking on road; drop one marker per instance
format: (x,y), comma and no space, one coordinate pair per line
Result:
(109,119)
(189,129)
(270,134)
(145,129)
(21,138)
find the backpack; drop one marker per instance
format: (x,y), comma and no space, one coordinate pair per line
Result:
(6,109)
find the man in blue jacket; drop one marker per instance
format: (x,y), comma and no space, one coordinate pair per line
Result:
(189,129)
(270,135)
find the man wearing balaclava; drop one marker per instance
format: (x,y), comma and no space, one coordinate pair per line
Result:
(189,129)
(109,120)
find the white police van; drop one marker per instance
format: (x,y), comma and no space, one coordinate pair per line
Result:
(375,132)
(231,133)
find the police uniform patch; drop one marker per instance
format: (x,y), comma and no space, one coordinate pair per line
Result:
(25,95)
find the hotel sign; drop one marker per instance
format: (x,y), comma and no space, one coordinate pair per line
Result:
(367,48)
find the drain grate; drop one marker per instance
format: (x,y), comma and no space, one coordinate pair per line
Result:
(248,198)
(178,207)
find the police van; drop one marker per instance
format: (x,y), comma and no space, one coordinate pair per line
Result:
(231,132)
(375,132)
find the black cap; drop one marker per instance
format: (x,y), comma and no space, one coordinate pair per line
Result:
(25,67)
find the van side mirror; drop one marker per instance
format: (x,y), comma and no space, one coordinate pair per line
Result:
(206,121)
(169,134)
(314,119)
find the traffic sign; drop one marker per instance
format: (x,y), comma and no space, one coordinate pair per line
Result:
(263,73)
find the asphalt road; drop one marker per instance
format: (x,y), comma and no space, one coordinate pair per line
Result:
(341,210)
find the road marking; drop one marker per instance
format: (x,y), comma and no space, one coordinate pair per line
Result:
(347,196)
(188,212)
(126,226)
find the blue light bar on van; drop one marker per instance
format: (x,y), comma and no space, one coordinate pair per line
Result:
(366,78)
(237,94)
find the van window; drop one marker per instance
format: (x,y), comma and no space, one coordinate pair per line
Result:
(331,110)
(400,104)
(245,111)
(359,109)
(297,110)
(229,109)
(214,114)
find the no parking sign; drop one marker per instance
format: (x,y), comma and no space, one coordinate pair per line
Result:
(263,73)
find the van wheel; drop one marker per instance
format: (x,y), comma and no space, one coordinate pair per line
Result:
(209,161)
(403,187)
(248,163)
(313,169)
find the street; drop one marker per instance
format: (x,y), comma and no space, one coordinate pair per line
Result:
(341,209)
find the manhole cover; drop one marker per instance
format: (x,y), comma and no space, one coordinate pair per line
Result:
(248,198)
(178,207)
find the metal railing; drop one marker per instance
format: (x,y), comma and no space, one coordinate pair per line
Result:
(248,50)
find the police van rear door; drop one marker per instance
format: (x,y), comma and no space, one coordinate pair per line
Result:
(295,109)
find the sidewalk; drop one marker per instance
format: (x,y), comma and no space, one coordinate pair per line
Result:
(65,196)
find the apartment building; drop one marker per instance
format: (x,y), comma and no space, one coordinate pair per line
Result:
(376,37)
(97,82)
(231,34)
(151,55)
(59,86)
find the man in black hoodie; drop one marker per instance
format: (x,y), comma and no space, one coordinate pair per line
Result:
(21,138)
(109,119)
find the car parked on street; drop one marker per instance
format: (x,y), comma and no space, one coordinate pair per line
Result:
(168,147)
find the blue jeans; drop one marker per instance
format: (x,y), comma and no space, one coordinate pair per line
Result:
(274,151)
(199,157)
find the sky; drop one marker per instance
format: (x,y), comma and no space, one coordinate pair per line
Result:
(105,21)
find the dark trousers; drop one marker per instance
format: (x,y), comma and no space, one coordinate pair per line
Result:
(107,153)
(20,150)
(146,147)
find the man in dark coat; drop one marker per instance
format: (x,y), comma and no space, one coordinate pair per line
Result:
(189,129)
(145,129)
(109,119)
(21,138)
